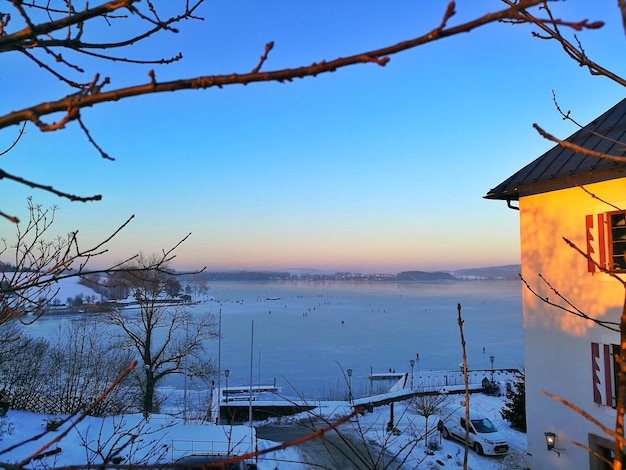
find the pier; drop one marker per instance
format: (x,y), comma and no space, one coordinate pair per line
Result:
(237,403)
(243,392)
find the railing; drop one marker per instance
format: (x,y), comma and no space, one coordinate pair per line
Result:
(182,448)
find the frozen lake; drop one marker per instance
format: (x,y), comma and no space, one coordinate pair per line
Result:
(305,332)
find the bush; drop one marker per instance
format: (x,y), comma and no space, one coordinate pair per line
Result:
(52,424)
(4,408)
(514,410)
(433,445)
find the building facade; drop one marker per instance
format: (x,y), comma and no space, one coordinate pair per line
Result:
(572,208)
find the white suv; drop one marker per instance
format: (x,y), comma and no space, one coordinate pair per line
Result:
(484,437)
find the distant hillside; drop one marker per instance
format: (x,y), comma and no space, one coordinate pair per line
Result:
(423,276)
(509,272)
(242,275)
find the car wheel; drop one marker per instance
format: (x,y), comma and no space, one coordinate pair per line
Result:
(445,433)
(478,448)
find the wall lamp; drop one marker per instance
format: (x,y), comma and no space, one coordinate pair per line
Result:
(551,443)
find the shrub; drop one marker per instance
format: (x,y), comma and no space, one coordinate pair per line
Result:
(52,424)
(514,410)
(433,445)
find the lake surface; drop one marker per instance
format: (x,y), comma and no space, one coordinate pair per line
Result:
(306,334)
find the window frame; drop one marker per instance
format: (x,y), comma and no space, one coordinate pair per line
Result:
(612,231)
(602,239)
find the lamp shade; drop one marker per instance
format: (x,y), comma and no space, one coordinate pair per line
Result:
(550,440)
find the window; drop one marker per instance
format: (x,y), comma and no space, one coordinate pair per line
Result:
(617,240)
(602,449)
(606,240)
(484,425)
(604,369)
(471,430)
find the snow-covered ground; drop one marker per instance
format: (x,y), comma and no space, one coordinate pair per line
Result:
(371,428)
(163,439)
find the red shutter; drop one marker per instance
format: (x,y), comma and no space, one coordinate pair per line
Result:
(601,241)
(589,235)
(603,378)
(595,368)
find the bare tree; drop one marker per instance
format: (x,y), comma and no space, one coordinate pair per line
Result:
(167,339)
(428,405)
(38,260)
(196,285)
(22,366)
(460,322)
(80,366)
(59,37)
(61,375)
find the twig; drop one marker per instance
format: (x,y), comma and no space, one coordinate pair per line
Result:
(578,148)
(268,48)
(608,431)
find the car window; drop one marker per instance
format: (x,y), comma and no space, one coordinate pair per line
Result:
(471,430)
(484,425)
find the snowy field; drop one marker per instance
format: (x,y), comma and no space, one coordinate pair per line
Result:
(172,439)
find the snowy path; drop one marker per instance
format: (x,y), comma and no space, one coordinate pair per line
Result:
(331,451)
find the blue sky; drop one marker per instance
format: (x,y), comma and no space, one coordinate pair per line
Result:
(366,169)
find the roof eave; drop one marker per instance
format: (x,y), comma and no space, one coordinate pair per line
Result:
(555,185)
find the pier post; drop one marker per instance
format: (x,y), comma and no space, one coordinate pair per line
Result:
(390,424)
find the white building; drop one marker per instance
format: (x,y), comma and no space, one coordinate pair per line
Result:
(582,198)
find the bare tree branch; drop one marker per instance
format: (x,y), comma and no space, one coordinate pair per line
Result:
(578,148)
(17,139)
(45,35)
(608,431)
(613,326)
(71,104)
(594,196)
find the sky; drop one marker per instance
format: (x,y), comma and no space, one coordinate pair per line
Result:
(368,169)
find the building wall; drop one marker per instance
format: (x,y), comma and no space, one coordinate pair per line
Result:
(558,344)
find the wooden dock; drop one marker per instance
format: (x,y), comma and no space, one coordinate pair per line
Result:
(386,376)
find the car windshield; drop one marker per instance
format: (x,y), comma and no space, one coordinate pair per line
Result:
(483,425)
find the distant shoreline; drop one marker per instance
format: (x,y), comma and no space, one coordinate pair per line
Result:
(500,273)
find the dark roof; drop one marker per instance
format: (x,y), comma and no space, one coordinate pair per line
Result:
(561,168)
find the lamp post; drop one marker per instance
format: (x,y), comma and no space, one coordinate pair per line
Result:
(226,374)
(219,367)
(491,359)
(186,374)
(210,410)
(250,391)
(349,384)
(412,362)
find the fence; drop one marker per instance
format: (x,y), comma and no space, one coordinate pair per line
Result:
(183,448)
